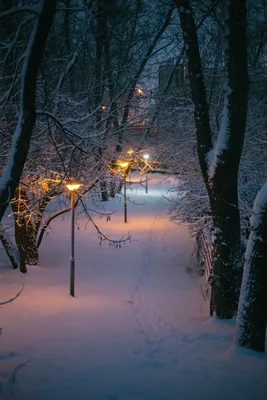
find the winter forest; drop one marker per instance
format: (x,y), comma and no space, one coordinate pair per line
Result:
(133,199)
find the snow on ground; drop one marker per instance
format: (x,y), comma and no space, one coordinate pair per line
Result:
(138,328)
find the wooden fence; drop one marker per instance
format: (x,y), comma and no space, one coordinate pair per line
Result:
(204,257)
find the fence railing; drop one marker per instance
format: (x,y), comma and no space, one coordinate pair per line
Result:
(204,257)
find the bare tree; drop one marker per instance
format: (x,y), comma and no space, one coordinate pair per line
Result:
(219,160)
(27,115)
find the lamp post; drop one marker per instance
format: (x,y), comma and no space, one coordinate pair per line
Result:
(72,187)
(124,165)
(125,202)
(146,157)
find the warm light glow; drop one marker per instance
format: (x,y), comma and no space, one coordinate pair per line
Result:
(130,152)
(124,164)
(73,186)
(140,91)
(104,107)
(146,156)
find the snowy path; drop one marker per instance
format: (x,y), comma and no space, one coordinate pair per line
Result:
(138,328)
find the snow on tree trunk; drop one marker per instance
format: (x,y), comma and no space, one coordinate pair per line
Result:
(252,309)
(27,115)
(219,163)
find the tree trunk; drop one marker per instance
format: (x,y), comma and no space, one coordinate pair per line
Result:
(252,310)
(9,247)
(112,187)
(227,255)
(26,241)
(104,190)
(25,234)
(219,163)
(223,174)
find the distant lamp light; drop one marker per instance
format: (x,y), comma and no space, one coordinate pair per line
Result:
(146,156)
(130,152)
(124,164)
(104,107)
(140,91)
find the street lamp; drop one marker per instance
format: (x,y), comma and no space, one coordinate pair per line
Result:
(124,165)
(72,187)
(146,157)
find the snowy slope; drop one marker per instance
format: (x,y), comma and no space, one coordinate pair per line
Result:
(138,328)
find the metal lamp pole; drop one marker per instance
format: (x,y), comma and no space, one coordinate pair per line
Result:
(72,259)
(124,166)
(146,157)
(125,202)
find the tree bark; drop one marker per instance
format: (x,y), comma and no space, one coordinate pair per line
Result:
(252,310)
(22,135)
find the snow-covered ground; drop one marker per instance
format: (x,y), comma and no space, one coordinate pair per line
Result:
(138,328)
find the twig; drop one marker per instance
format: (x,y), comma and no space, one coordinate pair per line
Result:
(13,298)
(12,378)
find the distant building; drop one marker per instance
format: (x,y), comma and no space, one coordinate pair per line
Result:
(172,79)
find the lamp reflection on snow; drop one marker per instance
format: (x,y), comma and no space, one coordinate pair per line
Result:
(72,187)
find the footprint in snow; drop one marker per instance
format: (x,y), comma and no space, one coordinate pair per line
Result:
(157,365)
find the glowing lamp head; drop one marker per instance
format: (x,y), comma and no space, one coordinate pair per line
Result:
(124,164)
(130,152)
(104,107)
(139,91)
(72,186)
(146,156)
